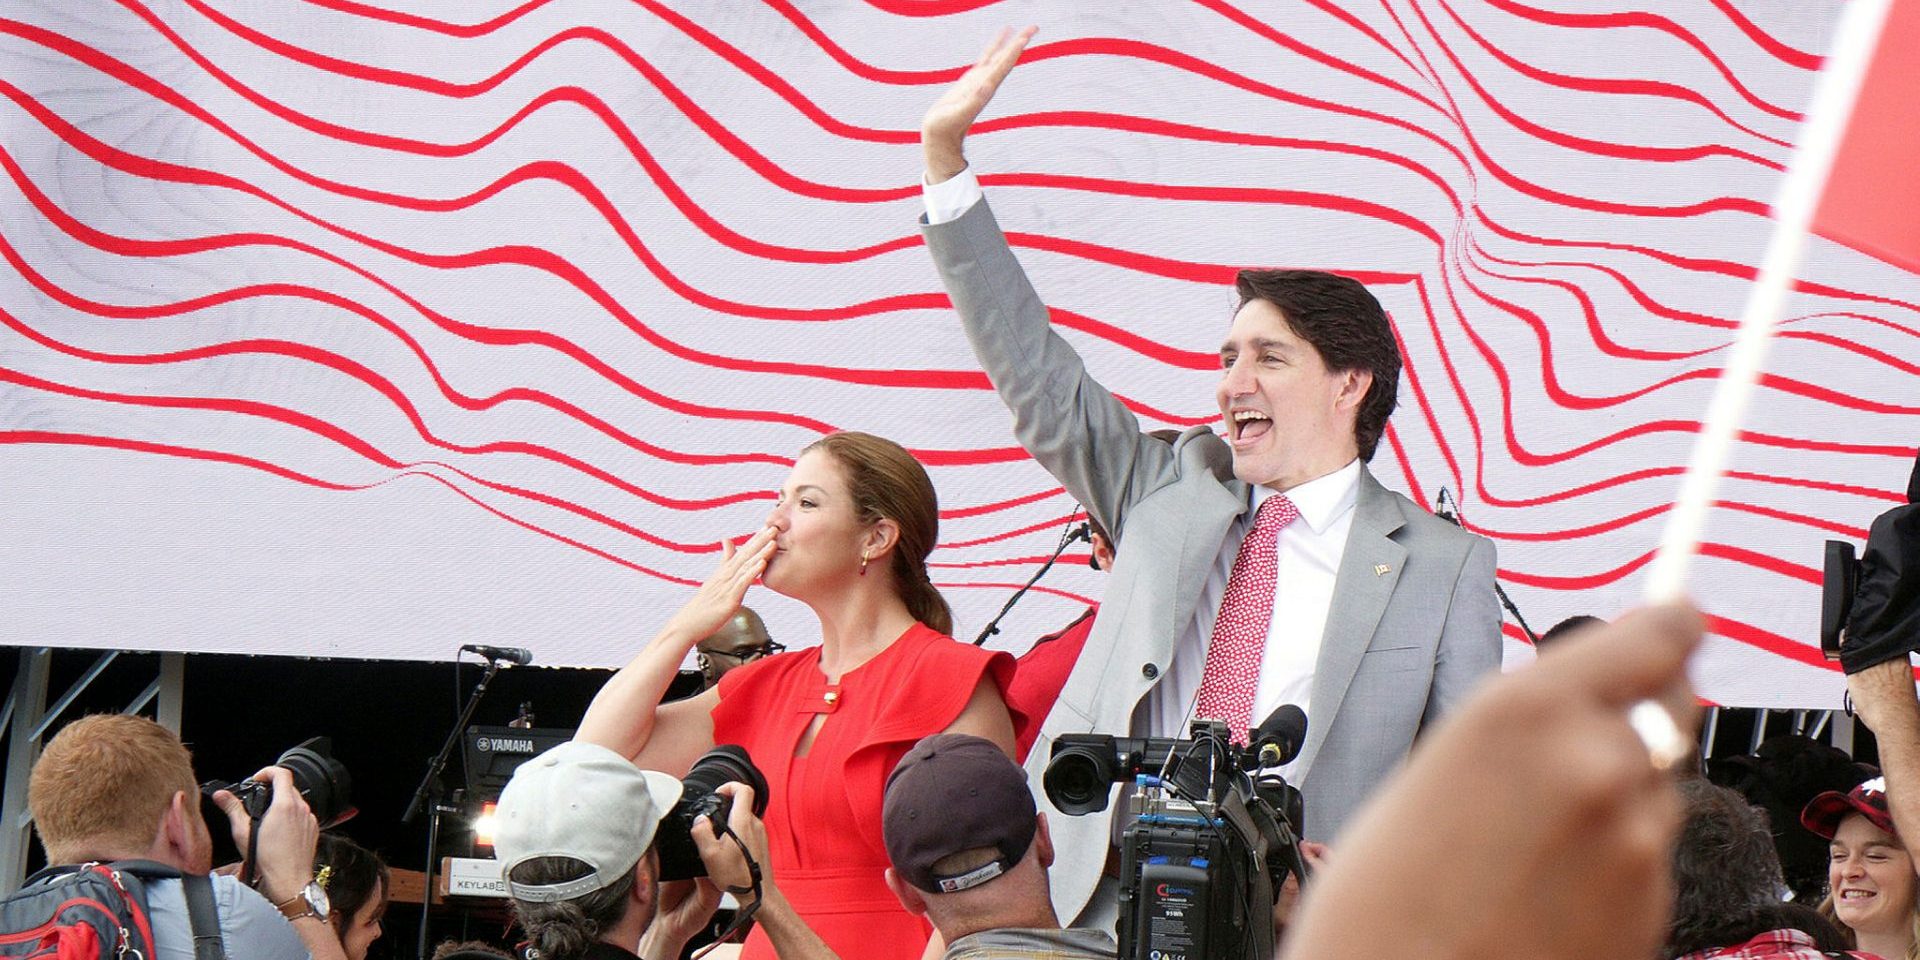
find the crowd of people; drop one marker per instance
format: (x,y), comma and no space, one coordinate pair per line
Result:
(1535,823)
(1252,566)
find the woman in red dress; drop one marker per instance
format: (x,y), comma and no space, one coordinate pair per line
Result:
(849,537)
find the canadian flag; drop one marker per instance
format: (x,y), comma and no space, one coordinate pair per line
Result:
(1872,196)
(1855,179)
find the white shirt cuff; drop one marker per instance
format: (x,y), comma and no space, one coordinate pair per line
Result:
(951,197)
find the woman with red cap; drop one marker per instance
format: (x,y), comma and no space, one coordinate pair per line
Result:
(1873,892)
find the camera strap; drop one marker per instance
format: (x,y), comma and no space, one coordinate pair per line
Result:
(747,910)
(247,874)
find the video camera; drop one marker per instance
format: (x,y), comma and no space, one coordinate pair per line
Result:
(1870,606)
(1216,831)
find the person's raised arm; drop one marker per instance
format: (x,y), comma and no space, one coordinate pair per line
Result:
(1883,696)
(1532,824)
(626,716)
(1075,427)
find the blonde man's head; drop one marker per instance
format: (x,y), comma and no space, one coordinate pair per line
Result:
(103,785)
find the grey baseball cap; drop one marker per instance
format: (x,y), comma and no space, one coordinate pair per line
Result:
(584,801)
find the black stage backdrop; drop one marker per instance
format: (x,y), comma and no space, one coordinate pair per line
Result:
(386,718)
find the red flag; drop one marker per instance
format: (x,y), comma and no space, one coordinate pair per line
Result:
(1872,197)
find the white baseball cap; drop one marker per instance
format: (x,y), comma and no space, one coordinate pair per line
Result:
(584,801)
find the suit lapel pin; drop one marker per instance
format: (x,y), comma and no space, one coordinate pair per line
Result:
(1380,569)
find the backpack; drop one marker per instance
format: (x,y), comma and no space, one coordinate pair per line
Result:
(98,911)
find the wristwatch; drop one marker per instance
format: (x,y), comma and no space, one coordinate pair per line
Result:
(311,901)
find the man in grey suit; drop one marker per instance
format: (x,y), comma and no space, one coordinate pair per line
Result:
(1368,611)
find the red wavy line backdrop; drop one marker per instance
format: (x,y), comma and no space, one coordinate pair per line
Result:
(342,328)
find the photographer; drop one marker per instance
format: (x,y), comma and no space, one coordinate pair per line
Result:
(118,788)
(579,828)
(1882,630)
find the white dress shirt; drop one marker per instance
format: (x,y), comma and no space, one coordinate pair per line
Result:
(951,197)
(1307,559)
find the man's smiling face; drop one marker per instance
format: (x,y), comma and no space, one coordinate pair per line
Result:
(1287,417)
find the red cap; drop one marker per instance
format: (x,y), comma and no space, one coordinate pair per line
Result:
(1824,812)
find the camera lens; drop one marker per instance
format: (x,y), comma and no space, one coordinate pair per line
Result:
(1079,779)
(679,857)
(724,764)
(321,779)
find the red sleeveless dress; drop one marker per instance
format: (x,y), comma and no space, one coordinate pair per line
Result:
(823,809)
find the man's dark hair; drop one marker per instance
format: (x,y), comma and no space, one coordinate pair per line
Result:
(565,929)
(1726,878)
(1346,326)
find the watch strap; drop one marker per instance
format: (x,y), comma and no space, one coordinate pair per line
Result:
(297,906)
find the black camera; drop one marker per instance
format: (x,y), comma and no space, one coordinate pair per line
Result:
(679,857)
(317,776)
(1215,833)
(1870,606)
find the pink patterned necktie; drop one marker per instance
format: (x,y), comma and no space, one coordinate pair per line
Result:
(1240,629)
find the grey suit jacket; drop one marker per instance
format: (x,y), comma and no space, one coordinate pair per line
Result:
(1413,625)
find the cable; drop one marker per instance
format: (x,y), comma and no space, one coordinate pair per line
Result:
(747,911)
(1081,532)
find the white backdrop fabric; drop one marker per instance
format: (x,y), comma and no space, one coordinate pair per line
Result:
(370,329)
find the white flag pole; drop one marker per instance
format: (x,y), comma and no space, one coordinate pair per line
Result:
(1834,93)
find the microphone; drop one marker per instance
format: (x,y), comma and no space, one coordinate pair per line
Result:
(1278,738)
(518,656)
(1082,533)
(1441,510)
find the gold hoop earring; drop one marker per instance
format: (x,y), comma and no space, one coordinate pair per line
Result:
(863,563)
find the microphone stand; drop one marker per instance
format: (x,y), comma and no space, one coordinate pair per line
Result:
(429,795)
(1453,516)
(1532,637)
(993,627)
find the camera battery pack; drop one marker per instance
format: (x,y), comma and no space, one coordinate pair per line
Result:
(1172,921)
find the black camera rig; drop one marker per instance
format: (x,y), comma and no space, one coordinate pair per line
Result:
(1214,835)
(1870,606)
